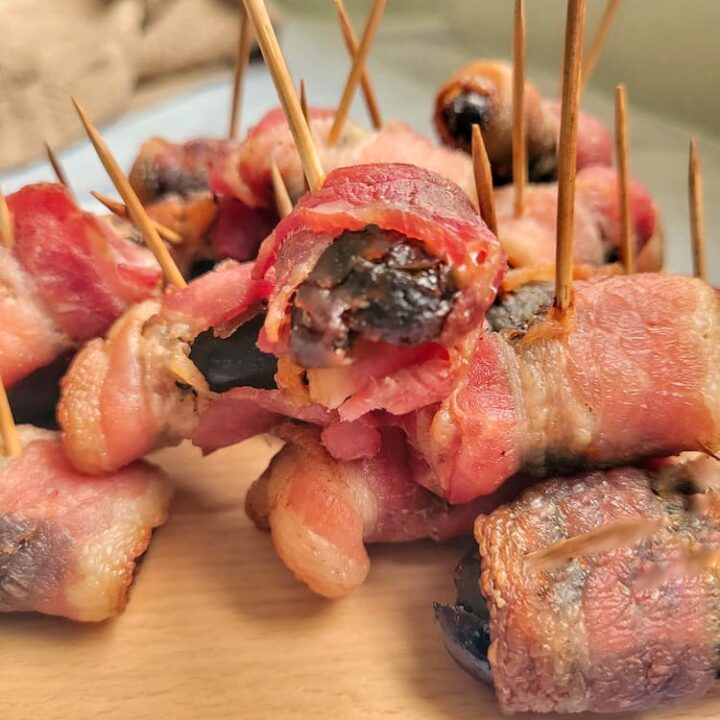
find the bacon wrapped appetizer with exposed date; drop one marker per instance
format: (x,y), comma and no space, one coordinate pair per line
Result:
(598,592)
(481,93)
(172,182)
(67,276)
(69,543)
(632,372)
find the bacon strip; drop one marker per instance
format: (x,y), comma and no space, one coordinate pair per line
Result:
(69,543)
(586,636)
(67,277)
(322,512)
(634,375)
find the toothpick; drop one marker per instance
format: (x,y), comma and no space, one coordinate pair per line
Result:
(598,41)
(567,153)
(352,47)
(371,27)
(11,441)
(627,244)
(286,92)
(241,63)
(186,372)
(697,214)
(282,198)
(117,208)
(605,538)
(483,180)
(519,134)
(137,212)
(7,230)
(57,167)
(304,102)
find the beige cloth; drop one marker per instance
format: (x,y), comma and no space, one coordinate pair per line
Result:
(98,51)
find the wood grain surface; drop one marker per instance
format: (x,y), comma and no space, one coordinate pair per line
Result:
(217,628)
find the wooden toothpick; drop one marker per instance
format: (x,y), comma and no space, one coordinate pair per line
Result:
(7,230)
(137,212)
(241,63)
(627,239)
(365,83)
(697,214)
(567,149)
(11,441)
(286,92)
(483,180)
(282,198)
(117,208)
(598,41)
(519,134)
(57,167)
(363,50)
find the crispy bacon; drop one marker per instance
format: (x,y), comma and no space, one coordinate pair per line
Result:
(400,199)
(481,93)
(590,635)
(69,543)
(322,512)
(633,374)
(66,278)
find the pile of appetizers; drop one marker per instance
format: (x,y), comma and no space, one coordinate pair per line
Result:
(472,338)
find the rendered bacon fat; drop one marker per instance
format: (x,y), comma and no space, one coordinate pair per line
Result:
(379,248)
(481,93)
(69,543)
(321,512)
(634,373)
(65,280)
(610,630)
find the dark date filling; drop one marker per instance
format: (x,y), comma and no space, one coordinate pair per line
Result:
(159,180)
(517,311)
(374,284)
(235,361)
(464,111)
(465,626)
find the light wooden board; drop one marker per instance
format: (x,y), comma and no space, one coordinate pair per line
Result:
(218,628)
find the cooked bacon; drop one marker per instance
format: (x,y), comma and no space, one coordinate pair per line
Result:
(530,239)
(129,394)
(634,374)
(69,543)
(481,93)
(400,199)
(245,173)
(587,636)
(66,278)
(322,512)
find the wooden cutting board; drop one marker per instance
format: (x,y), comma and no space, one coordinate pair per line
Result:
(218,628)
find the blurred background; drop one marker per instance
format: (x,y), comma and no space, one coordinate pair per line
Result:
(163,67)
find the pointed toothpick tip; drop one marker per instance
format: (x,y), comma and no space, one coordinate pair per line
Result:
(242,59)
(483,180)
(7,228)
(57,167)
(351,44)
(361,55)
(598,41)
(135,208)
(697,213)
(282,198)
(627,236)
(12,447)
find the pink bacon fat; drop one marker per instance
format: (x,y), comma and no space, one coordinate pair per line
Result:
(321,512)
(530,239)
(401,199)
(66,278)
(245,173)
(608,630)
(634,374)
(69,543)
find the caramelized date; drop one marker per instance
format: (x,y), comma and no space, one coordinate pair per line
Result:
(373,284)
